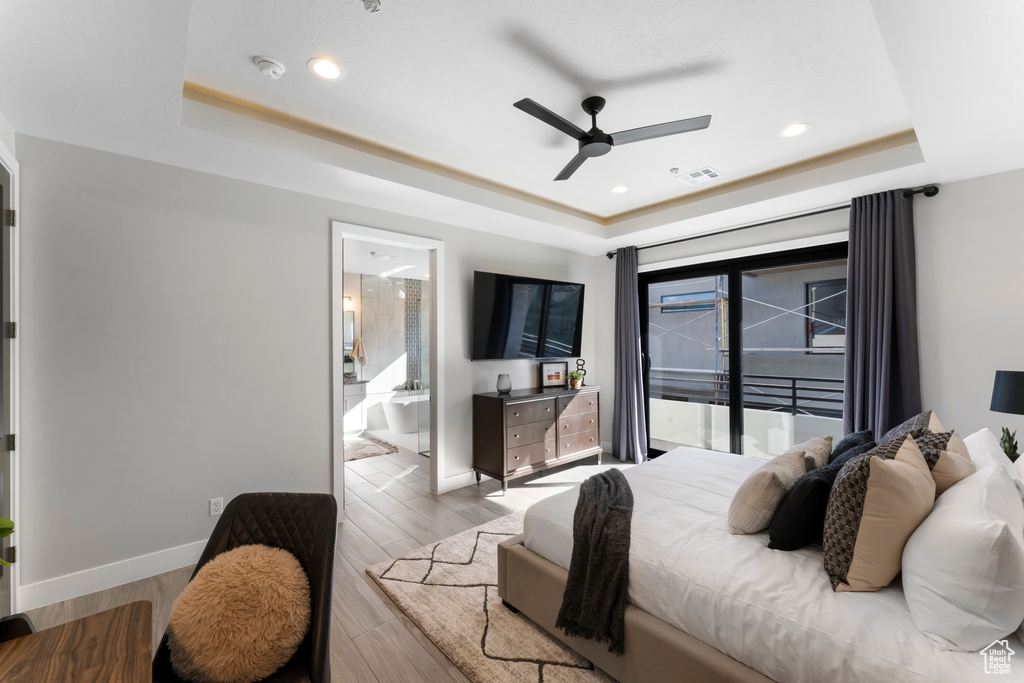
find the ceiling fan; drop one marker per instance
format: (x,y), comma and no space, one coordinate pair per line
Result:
(595,142)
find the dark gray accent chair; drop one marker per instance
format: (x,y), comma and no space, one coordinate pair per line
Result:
(304,524)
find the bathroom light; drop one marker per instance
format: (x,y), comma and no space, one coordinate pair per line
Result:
(619,189)
(795,129)
(348,303)
(382,257)
(325,68)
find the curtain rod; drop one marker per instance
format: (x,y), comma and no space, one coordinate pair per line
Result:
(927,191)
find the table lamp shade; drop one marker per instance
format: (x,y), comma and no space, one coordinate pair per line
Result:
(1008,392)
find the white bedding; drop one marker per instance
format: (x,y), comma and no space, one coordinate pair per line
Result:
(774,611)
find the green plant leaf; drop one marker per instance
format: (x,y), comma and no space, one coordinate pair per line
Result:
(6,528)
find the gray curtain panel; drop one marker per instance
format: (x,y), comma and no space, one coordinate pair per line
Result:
(883,373)
(629,426)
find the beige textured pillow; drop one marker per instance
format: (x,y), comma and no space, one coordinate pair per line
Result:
(877,502)
(755,501)
(241,618)
(819,448)
(947,456)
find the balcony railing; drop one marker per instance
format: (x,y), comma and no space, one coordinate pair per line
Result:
(819,396)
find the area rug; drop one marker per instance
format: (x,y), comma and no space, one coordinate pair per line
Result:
(450,589)
(367,445)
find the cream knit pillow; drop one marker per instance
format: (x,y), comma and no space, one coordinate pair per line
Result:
(755,501)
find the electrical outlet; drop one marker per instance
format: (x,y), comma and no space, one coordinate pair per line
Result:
(216,506)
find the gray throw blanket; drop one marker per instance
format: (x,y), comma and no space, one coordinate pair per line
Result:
(594,602)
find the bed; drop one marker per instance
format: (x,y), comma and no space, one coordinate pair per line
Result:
(710,606)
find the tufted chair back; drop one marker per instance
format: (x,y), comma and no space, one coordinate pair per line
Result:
(304,524)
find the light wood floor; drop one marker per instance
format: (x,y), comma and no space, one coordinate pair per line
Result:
(389,511)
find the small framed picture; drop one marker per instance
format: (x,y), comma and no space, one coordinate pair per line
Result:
(552,374)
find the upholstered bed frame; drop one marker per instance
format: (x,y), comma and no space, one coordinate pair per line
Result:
(655,651)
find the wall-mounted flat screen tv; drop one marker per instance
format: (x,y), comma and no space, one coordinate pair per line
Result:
(524,317)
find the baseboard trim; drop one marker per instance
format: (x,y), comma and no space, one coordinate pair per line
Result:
(456,482)
(107,576)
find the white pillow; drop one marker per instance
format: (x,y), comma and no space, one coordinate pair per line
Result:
(963,568)
(984,449)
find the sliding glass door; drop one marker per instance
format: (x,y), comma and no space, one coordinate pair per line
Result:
(745,356)
(794,332)
(687,348)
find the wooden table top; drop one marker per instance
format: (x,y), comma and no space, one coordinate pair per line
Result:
(115,646)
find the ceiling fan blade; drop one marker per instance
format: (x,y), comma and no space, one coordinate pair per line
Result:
(571,167)
(660,130)
(551,118)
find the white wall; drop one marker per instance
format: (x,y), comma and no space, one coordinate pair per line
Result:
(970,245)
(6,133)
(175,335)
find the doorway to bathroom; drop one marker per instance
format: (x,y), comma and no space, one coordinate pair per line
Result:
(384,353)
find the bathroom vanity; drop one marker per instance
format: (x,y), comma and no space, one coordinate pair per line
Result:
(355,411)
(528,430)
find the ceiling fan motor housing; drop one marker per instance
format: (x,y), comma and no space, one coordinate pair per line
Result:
(596,143)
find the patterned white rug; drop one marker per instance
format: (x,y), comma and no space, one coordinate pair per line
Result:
(367,445)
(450,589)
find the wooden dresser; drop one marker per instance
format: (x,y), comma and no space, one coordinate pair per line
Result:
(528,430)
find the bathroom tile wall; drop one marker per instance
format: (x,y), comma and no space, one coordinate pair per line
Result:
(383,328)
(413,332)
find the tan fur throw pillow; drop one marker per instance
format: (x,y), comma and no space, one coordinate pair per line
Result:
(241,618)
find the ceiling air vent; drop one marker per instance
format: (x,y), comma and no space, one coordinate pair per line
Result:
(700,176)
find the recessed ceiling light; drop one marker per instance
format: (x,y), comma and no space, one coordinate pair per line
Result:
(795,129)
(619,189)
(325,68)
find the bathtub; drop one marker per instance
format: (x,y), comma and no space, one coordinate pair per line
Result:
(402,412)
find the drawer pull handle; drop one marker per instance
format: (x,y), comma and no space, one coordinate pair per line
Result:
(517,436)
(515,414)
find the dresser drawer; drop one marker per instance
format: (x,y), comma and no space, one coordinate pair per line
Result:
(575,443)
(580,403)
(574,424)
(520,435)
(528,456)
(529,411)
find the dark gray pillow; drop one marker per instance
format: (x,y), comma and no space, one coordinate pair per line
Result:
(851,441)
(799,519)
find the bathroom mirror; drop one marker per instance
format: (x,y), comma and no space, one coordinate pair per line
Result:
(349,326)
